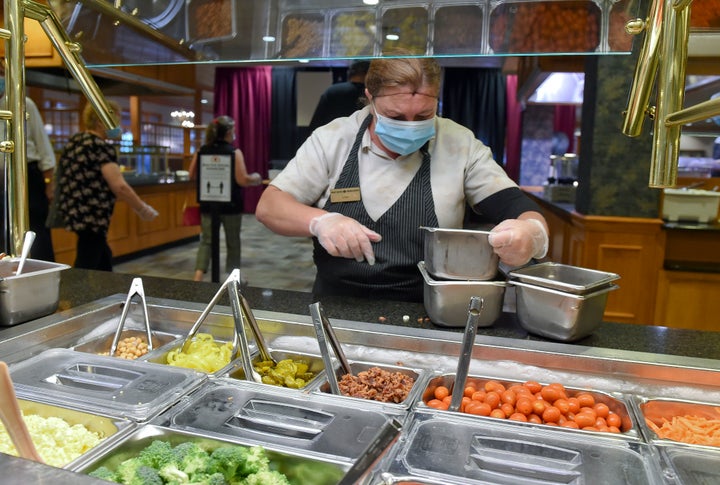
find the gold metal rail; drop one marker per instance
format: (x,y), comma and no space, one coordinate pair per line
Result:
(15,147)
(663,53)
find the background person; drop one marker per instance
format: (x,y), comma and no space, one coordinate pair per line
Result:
(90,181)
(342,99)
(363,185)
(40,167)
(219,138)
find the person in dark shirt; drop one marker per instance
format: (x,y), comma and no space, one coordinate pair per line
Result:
(341,99)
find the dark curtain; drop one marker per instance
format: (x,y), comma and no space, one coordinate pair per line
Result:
(245,95)
(284,131)
(514,130)
(564,122)
(475,98)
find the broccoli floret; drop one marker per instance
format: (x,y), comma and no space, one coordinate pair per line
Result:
(193,459)
(157,454)
(134,472)
(315,472)
(266,477)
(209,479)
(104,473)
(227,460)
(256,460)
(173,475)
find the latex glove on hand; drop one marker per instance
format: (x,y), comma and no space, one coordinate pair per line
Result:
(516,241)
(255,179)
(146,212)
(344,236)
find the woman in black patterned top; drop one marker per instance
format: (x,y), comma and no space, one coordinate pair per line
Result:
(90,181)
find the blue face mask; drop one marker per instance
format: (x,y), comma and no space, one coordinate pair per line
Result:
(404,137)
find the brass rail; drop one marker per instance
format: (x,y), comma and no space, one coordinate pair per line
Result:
(663,53)
(15,146)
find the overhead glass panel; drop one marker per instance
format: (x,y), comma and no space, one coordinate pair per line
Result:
(135,32)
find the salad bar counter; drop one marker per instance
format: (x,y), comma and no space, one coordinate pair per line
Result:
(533,411)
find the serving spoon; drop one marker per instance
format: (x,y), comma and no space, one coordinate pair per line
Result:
(27,244)
(12,418)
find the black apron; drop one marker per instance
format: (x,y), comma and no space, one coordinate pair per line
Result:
(395,274)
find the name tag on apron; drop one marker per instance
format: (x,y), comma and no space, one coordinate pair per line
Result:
(350,194)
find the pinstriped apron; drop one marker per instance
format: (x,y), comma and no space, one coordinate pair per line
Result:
(395,274)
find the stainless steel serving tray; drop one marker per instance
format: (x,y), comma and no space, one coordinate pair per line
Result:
(314,361)
(459,450)
(108,428)
(262,414)
(616,402)
(132,389)
(143,436)
(563,277)
(418,375)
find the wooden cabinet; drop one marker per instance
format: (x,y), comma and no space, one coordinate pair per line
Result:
(688,300)
(129,234)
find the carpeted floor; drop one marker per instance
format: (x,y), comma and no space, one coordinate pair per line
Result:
(268,260)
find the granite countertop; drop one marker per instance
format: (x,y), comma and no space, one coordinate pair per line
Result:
(78,287)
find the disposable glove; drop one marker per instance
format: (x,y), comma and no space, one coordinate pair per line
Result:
(255,179)
(515,241)
(344,236)
(146,212)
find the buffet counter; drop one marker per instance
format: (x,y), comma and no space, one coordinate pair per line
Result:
(630,367)
(78,287)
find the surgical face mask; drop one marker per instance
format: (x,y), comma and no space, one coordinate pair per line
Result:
(403,137)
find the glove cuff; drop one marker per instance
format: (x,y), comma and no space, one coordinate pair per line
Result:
(315,221)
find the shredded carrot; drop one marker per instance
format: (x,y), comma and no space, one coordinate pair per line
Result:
(694,430)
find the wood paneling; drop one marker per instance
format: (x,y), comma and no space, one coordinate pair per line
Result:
(688,300)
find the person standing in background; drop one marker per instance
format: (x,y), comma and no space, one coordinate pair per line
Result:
(90,181)
(41,166)
(219,138)
(341,99)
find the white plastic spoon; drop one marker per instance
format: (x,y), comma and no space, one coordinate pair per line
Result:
(12,418)
(27,244)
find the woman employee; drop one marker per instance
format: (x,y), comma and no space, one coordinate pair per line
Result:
(364,184)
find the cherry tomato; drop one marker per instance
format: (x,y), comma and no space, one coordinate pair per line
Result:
(493,385)
(550,394)
(551,415)
(602,410)
(539,406)
(478,396)
(563,405)
(507,408)
(508,397)
(533,386)
(524,405)
(436,404)
(614,420)
(574,404)
(585,399)
(518,417)
(584,420)
(534,418)
(493,399)
(478,408)
(570,424)
(469,390)
(613,429)
(441,392)
(497,413)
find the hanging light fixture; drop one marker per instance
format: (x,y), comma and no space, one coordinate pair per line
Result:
(185,118)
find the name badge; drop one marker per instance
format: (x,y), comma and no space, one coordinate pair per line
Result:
(350,194)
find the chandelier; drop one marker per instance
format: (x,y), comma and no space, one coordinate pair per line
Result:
(185,118)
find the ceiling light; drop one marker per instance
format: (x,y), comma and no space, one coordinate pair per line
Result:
(268,38)
(370,2)
(392,37)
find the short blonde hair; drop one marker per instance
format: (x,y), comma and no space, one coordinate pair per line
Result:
(92,121)
(414,72)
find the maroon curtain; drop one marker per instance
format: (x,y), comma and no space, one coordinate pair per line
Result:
(514,130)
(245,95)
(564,122)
